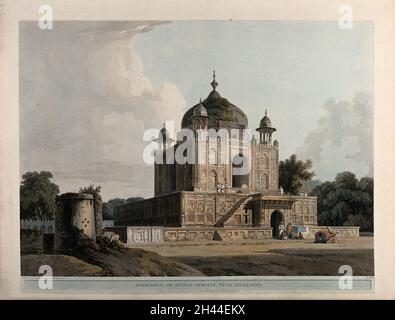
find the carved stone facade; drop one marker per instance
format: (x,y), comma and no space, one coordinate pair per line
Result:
(210,196)
(188,209)
(214,164)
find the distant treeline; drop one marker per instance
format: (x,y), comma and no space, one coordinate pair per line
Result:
(108,207)
(346,201)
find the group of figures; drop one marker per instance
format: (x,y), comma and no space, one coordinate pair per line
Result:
(289,232)
(220,188)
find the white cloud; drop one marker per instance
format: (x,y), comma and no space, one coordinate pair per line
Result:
(343,139)
(85,102)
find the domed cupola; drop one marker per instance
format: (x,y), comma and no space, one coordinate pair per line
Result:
(221,112)
(266,130)
(200,110)
(265,122)
(200,117)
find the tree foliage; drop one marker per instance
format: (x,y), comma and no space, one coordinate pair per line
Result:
(37,195)
(346,201)
(309,185)
(108,207)
(293,172)
(91,189)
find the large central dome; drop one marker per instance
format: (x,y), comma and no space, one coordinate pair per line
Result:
(221,112)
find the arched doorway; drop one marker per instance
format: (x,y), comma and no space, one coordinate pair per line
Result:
(212,179)
(275,220)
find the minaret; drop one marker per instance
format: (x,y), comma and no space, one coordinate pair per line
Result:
(164,142)
(164,139)
(199,125)
(265,130)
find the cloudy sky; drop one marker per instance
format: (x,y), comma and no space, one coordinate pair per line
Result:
(88,90)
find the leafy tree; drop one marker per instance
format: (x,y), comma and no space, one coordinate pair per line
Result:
(309,185)
(323,205)
(91,189)
(108,207)
(366,184)
(359,220)
(346,201)
(133,199)
(365,187)
(107,211)
(293,172)
(346,180)
(37,195)
(116,202)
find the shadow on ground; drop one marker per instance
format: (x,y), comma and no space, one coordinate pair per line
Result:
(285,262)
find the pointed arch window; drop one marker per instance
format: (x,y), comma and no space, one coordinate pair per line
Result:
(212,155)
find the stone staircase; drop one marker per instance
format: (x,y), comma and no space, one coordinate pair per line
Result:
(241,203)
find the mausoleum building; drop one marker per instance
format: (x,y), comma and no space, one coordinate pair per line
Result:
(227,189)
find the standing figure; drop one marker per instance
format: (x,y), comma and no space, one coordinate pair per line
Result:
(281,230)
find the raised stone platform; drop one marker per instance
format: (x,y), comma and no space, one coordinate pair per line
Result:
(157,234)
(139,235)
(220,234)
(342,232)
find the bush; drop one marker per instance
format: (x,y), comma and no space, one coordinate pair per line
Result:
(359,220)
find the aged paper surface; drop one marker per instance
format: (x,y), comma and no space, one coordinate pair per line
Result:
(23,148)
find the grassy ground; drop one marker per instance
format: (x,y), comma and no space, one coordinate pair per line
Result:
(62,265)
(275,257)
(116,263)
(269,258)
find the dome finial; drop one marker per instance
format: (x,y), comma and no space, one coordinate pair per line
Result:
(214,83)
(265,112)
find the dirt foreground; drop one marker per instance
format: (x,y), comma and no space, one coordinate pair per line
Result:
(268,258)
(113,263)
(275,257)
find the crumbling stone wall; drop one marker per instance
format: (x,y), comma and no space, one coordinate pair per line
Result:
(75,216)
(341,232)
(31,241)
(98,214)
